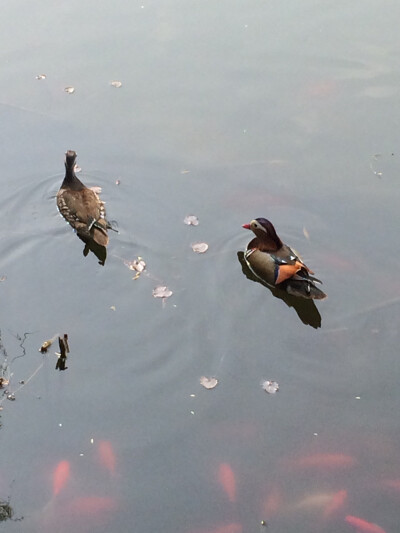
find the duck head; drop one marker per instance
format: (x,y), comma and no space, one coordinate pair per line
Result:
(70,158)
(265,232)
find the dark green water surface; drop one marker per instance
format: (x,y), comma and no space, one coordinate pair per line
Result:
(227,111)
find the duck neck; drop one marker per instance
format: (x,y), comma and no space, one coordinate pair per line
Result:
(70,177)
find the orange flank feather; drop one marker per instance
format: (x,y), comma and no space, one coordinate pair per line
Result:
(226,478)
(61,476)
(287,271)
(106,456)
(336,503)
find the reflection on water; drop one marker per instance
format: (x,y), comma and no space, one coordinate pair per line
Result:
(99,251)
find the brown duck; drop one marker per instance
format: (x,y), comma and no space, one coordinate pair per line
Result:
(81,207)
(277,264)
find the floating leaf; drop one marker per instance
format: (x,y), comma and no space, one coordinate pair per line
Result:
(270,386)
(191,220)
(162,292)
(69,90)
(200,247)
(41,77)
(116,84)
(208,383)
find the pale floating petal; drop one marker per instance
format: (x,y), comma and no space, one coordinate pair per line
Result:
(45,346)
(270,386)
(113,308)
(41,77)
(137,264)
(200,247)
(185,171)
(191,220)
(208,383)
(77,169)
(117,182)
(162,292)
(69,90)
(3,382)
(116,84)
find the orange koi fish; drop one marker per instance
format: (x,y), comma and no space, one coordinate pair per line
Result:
(92,505)
(234,527)
(336,503)
(226,478)
(362,526)
(392,484)
(107,456)
(61,475)
(272,503)
(325,461)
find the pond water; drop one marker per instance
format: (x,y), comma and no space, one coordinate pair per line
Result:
(227,111)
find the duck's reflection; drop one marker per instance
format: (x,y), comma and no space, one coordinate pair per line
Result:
(305,309)
(91,246)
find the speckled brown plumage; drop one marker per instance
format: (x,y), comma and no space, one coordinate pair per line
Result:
(81,207)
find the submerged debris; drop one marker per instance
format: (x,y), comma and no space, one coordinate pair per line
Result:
(62,356)
(270,386)
(208,383)
(162,292)
(69,90)
(200,247)
(191,220)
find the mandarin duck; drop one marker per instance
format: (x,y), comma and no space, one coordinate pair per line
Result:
(278,265)
(81,207)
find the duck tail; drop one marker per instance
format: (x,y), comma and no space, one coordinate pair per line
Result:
(303,285)
(304,289)
(97,230)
